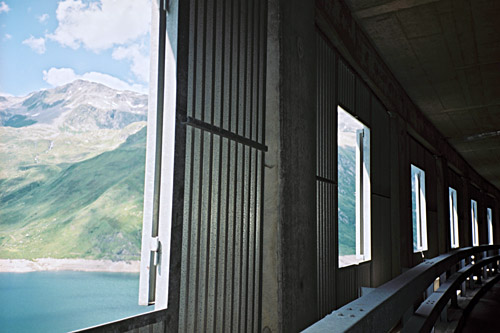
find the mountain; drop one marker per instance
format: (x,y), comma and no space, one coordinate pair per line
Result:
(78,106)
(72,173)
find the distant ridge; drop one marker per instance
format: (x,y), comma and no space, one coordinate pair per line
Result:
(72,173)
(79,105)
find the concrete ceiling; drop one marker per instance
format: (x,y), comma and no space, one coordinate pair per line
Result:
(446,54)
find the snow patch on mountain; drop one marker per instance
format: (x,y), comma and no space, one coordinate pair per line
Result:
(76,106)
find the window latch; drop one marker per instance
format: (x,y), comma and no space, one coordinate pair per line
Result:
(155,248)
(164,3)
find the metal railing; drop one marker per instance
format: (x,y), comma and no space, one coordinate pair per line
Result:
(414,300)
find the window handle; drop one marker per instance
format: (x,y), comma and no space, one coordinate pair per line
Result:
(154,247)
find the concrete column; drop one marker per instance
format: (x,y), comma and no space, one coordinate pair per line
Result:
(405,220)
(271,272)
(395,195)
(297,196)
(289,297)
(442,206)
(465,230)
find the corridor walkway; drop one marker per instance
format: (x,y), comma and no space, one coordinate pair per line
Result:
(484,316)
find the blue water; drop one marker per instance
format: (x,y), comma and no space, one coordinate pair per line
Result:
(65,301)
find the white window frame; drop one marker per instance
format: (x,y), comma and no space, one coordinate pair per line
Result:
(452,197)
(159,177)
(489,219)
(363,195)
(421,208)
(475,229)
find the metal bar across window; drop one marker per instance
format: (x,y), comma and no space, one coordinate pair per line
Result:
(224,133)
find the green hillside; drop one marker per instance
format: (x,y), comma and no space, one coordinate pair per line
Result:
(90,209)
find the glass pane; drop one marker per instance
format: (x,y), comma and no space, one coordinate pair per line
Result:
(489,216)
(419,224)
(475,235)
(453,218)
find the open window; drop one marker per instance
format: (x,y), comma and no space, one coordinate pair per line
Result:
(475,230)
(419,210)
(452,195)
(489,217)
(158,188)
(354,236)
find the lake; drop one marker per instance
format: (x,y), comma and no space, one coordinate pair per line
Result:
(65,301)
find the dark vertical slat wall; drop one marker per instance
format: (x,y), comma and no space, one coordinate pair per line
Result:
(326,202)
(221,261)
(338,84)
(326,175)
(326,157)
(363,102)
(346,87)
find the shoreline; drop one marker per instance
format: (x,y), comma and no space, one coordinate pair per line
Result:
(81,265)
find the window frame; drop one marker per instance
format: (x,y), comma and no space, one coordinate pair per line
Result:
(489,221)
(420,208)
(362,192)
(474,222)
(454,235)
(159,177)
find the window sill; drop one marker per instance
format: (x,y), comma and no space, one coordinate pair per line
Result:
(351,260)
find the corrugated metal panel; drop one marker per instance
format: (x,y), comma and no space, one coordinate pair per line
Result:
(221,261)
(326,172)
(363,103)
(326,111)
(364,275)
(347,285)
(380,162)
(349,281)
(337,84)
(226,65)
(381,240)
(326,255)
(346,86)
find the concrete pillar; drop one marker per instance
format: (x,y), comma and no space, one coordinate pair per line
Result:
(395,195)
(405,220)
(289,297)
(297,165)
(271,273)
(442,206)
(464,225)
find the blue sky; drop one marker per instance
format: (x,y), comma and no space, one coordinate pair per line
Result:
(47,43)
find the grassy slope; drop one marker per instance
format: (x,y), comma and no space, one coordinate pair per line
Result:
(89,209)
(347,200)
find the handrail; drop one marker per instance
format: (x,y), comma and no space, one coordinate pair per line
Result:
(428,312)
(385,306)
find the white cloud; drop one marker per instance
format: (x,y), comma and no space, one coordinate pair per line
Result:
(4,8)
(43,18)
(36,44)
(60,76)
(101,25)
(140,61)
(7,36)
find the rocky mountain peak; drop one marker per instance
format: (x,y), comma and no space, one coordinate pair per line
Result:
(81,105)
